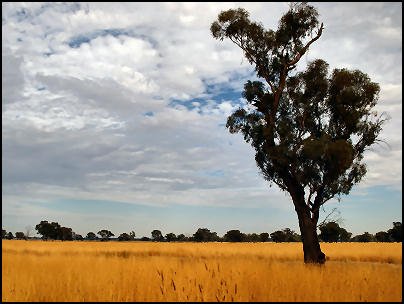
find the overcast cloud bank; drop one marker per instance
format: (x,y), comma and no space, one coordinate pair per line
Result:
(128,102)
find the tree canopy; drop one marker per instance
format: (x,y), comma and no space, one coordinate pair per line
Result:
(157,235)
(49,230)
(233,236)
(396,233)
(309,129)
(170,237)
(105,234)
(205,235)
(332,232)
(20,235)
(124,237)
(285,235)
(91,236)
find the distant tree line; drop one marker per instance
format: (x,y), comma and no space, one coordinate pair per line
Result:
(329,232)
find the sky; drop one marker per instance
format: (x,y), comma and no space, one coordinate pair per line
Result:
(113,117)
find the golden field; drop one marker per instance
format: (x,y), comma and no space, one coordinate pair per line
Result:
(146,271)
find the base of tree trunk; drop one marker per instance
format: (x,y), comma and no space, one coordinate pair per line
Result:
(311,245)
(315,257)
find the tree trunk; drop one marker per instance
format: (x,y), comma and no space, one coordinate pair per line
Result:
(311,245)
(308,225)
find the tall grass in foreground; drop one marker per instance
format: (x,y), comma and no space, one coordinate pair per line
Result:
(143,271)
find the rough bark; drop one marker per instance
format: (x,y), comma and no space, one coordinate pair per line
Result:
(308,229)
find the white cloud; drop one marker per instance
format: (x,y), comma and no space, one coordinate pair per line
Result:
(97,120)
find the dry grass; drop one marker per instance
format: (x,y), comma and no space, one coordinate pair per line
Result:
(143,271)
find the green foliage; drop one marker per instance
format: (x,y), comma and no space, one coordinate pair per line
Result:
(78,237)
(252,237)
(234,236)
(171,237)
(205,235)
(382,236)
(285,235)
(396,233)
(264,237)
(332,232)
(105,234)
(20,235)
(49,230)
(344,236)
(181,238)
(269,50)
(132,234)
(157,235)
(278,236)
(309,129)
(124,237)
(91,236)
(364,238)
(65,234)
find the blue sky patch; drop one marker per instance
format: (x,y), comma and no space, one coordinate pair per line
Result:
(90,149)
(22,14)
(77,41)
(213,93)
(149,114)
(214,173)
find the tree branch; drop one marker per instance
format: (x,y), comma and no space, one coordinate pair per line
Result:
(318,201)
(304,49)
(325,219)
(252,58)
(309,198)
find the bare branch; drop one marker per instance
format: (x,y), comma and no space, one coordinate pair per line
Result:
(325,219)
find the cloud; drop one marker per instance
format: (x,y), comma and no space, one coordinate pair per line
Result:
(12,77)
(128,101)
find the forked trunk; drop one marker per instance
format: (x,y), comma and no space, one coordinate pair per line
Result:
(311,245)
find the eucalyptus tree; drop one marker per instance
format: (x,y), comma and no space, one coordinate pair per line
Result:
(105,234)
(309,129)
